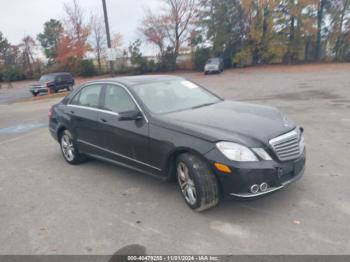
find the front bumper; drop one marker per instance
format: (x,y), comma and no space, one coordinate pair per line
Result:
(245,174)
(38,90)
(212,69)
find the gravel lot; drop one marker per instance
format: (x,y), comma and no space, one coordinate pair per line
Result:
(50,207)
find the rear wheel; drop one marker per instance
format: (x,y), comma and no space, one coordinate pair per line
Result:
(197,182)
(69,149)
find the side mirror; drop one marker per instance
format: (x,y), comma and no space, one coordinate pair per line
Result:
(130,115)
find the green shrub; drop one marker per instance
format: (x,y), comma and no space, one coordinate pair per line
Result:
(87,68)
(201,56)
(243,58)
(12,74)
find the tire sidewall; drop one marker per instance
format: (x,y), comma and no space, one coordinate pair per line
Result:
(190,160)
(76,152)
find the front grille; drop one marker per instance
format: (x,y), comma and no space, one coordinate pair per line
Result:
(288,146)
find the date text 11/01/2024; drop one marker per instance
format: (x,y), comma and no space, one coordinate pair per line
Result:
(172,258)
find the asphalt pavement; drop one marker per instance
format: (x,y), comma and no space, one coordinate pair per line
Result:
(50,207)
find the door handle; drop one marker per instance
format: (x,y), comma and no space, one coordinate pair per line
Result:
(103,120)
(72,112)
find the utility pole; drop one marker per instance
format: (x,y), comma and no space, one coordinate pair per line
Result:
(111,62)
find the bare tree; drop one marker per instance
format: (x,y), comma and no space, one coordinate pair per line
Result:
(74,22)
(172,27)
(154,29)
(28,45)
(180,16)
(117,42)
(74,41)
(98,38)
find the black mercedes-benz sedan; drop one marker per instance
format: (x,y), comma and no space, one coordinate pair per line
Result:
(172,128)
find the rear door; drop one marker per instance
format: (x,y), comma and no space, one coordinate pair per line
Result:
(125,140)
(83,111)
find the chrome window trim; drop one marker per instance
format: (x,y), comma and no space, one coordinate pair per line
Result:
(106,111)
(94,109)
(117,154)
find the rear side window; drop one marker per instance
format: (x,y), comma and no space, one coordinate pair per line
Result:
(118,100)
(59,78)
(67,77)
(89,96)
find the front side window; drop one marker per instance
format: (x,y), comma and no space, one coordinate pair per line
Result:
(173,95)
(118,100)
(88,96)
(46,78)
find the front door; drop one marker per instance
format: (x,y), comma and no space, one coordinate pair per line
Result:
(125,140)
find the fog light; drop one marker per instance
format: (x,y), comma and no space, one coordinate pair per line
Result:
(254,189)
(263,186)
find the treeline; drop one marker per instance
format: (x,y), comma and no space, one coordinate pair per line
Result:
(76,43)
(242,32)
(251,32)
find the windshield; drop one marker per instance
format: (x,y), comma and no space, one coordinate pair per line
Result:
(173,95)
(213,61)
(46,78)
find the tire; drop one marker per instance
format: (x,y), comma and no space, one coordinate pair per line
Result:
(198,185)
(35,93)
(205,72)
(69,149)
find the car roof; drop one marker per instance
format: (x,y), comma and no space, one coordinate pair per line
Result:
(137,80)
(57,73)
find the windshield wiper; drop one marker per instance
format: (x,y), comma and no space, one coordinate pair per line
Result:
(202,105)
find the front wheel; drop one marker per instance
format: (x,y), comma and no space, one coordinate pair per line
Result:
(197,182)
(69,148)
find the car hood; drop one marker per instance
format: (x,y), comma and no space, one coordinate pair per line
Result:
(250,124)
(38,84)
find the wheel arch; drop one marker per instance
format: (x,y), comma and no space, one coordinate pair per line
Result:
(173,155)
(60,131)
(171,161)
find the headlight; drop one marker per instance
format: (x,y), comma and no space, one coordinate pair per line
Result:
(262,153)
(236,152)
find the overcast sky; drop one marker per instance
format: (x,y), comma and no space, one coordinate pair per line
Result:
(26,17)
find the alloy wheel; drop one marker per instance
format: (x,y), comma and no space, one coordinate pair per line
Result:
(67,147)
(186,183)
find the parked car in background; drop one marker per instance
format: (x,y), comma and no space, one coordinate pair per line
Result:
(172,128)
(214,65)
(54,82)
